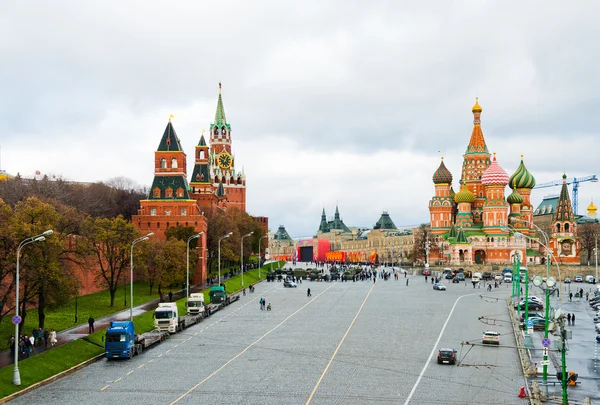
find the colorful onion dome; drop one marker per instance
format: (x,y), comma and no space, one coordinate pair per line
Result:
(522,178)
(515,198)
(452,193)
(464,195)
(442,175)
(494,175)
(592,208)
(477,108)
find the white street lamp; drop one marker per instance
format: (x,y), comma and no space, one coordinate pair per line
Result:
(259,263)
(187,278)
(37,238)
(140,239)
(242,255)
(219,259)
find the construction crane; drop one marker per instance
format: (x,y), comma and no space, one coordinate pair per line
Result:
(575,181)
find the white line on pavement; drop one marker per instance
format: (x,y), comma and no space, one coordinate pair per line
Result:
(250,345)
(437,342)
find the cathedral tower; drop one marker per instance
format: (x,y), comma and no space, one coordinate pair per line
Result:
(495,208)
(523,182)
(441,206)
(564,241)
(476,161)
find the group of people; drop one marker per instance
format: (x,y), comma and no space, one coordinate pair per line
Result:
(26,345)
(263,304)
(571,319)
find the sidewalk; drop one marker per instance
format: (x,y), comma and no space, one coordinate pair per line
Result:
(80,331)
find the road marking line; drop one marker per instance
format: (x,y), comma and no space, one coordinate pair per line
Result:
(150,361)
(249,346)
(130,372)
(437,342)
(160,355)
(312,394)
(141,365)
(103,388)
(117,380)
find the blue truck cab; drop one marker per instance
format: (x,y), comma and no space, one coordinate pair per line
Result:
(119,340)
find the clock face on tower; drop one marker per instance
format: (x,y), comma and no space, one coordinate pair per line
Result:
(224,160)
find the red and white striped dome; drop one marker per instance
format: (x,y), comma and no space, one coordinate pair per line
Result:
(494,175)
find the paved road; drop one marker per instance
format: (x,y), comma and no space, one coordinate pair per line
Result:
(350,343)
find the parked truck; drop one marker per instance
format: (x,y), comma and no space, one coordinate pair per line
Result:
(166,318)
(195,304)
(121,342)
(218,296)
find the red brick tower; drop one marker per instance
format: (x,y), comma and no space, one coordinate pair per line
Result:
(201,182)
(169,203)
(563,240)
(222,161)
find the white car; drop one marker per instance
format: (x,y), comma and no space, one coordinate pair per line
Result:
(498,277)
(536,299)
(507,279)
(491,337)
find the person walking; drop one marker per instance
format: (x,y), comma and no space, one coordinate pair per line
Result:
(46,337)
(308,294)
(91,324)
(425,278)
(407,282)
(570,296)
(569,319)
(52,337)
(573,319)
(170,296)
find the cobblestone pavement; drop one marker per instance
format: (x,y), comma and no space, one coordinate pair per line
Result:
(350,343)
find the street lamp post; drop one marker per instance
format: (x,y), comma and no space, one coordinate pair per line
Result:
(242,255)
(37,238)
(259,262)
(187,277)
(140,239)
(550,282)
(549,286)
(219,258)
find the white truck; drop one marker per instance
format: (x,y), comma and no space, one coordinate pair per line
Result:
(195,304)
(476,278)
(166,318)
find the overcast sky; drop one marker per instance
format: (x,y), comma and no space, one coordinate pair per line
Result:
(330,102)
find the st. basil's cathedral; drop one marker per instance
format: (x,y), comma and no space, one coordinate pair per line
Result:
(478,225)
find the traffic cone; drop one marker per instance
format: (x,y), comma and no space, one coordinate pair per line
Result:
(522,392)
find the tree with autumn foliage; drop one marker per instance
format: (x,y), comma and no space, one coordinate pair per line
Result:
(164,262)
(109,240)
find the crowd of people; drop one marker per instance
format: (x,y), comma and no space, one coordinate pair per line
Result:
(28,345)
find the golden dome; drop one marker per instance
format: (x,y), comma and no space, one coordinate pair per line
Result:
(592,208)
(477,108)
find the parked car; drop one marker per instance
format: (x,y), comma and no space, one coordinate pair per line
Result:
(448,276)
(533,306)
(507,278)
(498,277)
(446,356)
(532,316)
(487,275)
(536,299)
(567,280)
(426,272)
(538,324)
(491,337)
(598,338)
(439,286)
(590,279)
(458,278)
(597,326)
(289,283)
(578,279)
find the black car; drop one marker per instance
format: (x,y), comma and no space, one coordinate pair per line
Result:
(448,276)
(456,280)
(487,276)
(533,306)
(532,315)
(446,356)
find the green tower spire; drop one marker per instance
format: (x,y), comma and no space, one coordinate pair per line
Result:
(220,119)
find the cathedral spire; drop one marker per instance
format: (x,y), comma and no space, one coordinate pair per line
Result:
(220,119)
(323,226)
(564,210)
(477,142)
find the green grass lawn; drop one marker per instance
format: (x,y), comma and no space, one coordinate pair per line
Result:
(63,317)
(56,360)
(47,364)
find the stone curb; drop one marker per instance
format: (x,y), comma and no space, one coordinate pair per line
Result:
(51,379)
(525,361)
